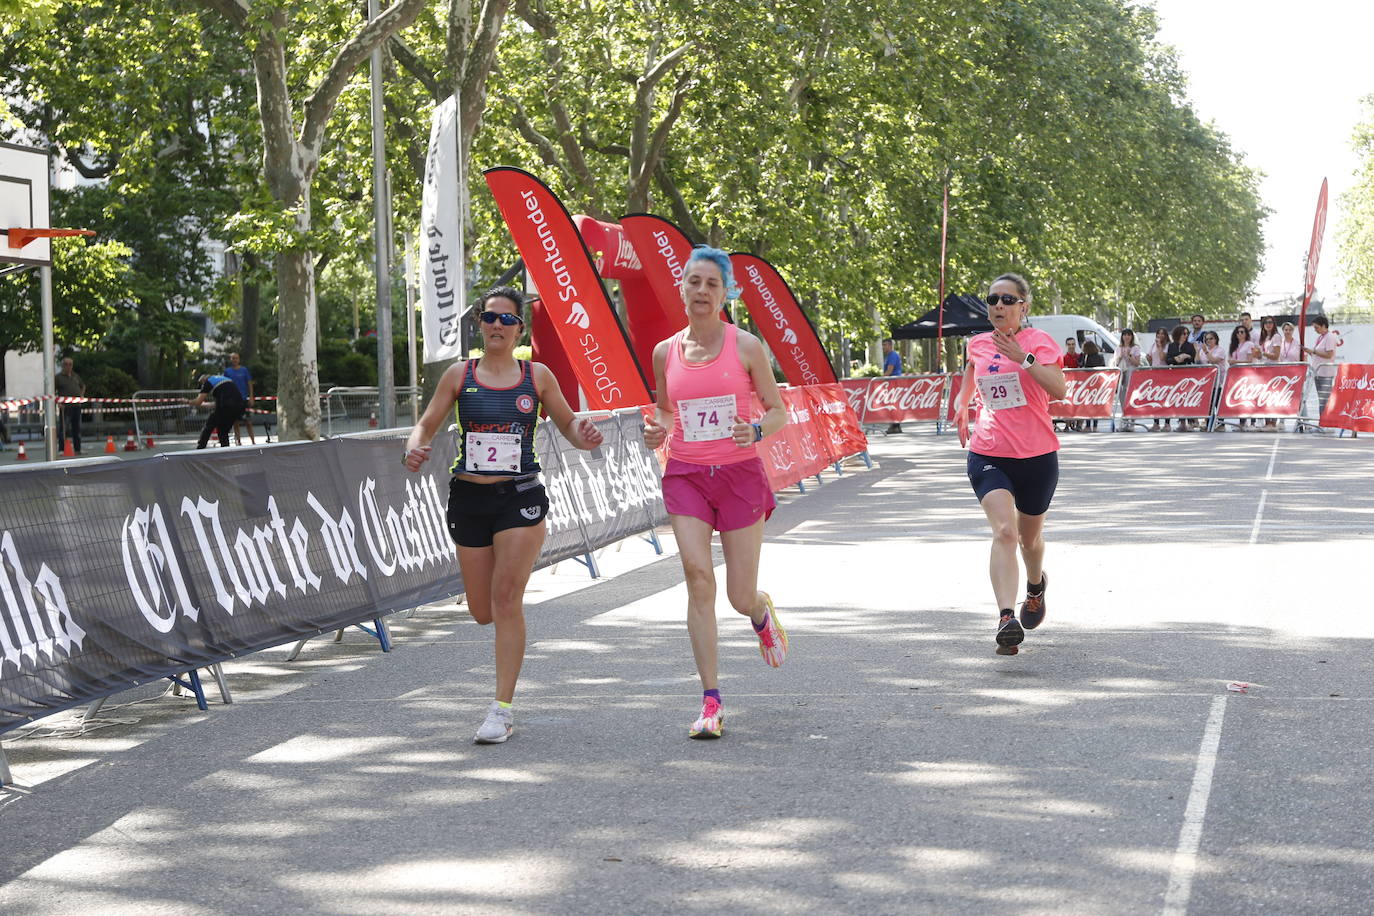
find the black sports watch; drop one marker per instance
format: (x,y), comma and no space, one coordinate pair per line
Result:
(1028,361)
(758,431)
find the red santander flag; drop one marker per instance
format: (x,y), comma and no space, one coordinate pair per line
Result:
(574,300)
(781,321)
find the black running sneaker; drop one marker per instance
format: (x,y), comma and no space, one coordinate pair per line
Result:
(1009,634)
(1033,608)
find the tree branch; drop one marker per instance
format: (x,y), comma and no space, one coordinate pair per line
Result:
(480,59)
(682,214)
(236,11)
(350,57)
(89,171)
(412,63)
(542,145)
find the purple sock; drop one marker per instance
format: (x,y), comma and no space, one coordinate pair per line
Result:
(713,693)
(759,627)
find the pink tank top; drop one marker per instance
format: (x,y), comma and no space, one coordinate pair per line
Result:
(706,398)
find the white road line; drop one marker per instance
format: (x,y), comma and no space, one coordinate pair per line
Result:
(1269,474)
(1190,837)
(1259,514)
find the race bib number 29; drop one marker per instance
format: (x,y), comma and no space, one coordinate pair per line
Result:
(707,419)
(1001,390)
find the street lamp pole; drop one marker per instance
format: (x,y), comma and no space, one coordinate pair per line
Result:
(386,382)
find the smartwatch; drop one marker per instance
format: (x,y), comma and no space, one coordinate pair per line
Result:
(1028,361)
(758,431)
(404,456)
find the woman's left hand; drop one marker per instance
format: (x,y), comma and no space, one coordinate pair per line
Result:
(742,432)
(587,431)
(1006,345)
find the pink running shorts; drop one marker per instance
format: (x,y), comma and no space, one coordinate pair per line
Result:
(725,496)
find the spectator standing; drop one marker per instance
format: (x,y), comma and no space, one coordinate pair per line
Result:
(243,380)
(1210,352)
(1072,357)
(1158,358)
(68,384)
(892,366)
(1290,351)
(1195,335)
(1248,324)
(1128,359)
(1269,340)
(1092,359)
(1180,353)
(1322,359)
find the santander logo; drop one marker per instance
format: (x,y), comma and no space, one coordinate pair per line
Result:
(789,336)
(578,316)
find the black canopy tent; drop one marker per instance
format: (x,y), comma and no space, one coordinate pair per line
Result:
(963,317)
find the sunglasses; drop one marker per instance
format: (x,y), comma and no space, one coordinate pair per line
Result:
(1005,299)
(506,318)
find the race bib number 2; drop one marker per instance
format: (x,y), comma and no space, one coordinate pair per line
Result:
(707,419)
(1001,390)
(493,452)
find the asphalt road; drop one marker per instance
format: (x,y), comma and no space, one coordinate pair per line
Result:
(895,764)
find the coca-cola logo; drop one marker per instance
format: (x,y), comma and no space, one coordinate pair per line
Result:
(911,394)
(1093,389)
(1279,392)
(1185,393)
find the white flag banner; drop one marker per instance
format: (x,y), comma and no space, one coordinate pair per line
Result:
(442,292)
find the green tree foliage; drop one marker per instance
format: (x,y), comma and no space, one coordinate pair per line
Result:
(1356,231)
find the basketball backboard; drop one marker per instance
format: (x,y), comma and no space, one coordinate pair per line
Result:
(23,205)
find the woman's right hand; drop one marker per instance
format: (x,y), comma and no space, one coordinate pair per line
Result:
(961,421)
(654,433)
(415,457)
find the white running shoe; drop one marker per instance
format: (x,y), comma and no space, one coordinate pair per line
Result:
(497,727)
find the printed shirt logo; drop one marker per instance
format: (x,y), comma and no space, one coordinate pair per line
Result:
(532,512)
(524,403)
(579,316)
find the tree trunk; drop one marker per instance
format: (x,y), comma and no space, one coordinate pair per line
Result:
(298,381)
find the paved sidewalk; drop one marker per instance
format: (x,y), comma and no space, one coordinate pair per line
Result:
(895,764)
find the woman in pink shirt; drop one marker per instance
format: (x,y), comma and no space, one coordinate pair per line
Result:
(1013,460)
(1290,351)
(706,377)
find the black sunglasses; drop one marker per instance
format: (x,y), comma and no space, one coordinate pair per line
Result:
(1006,299)
(506,318)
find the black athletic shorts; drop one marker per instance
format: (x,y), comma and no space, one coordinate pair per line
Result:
(476,511)
(1031,481)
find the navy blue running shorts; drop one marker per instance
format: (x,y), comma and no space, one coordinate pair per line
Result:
(1031,481)
(477,511)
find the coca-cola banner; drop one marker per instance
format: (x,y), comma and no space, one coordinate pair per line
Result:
(561,268)
(1171,393)
(1090,394)
(781,322)
(1263,391)
(898,399)
(836,420)
(1351,405)
(115,574)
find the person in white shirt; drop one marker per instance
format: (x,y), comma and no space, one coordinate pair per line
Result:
(1322,359)
(1128,358)
(1158,356)
(1268,341)
(1290,351)
(1210,352)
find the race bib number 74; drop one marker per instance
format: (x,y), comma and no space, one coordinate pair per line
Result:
(707,419)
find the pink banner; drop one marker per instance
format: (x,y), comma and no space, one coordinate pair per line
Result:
(837,421)
(1351,405)
(1090,395)
(1263,391)
(1170,393)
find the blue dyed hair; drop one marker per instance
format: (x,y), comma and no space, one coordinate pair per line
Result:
(721,260)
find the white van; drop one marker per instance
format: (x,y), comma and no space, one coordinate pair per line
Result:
(1079,327)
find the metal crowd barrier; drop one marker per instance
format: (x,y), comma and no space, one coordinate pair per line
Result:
(350,409)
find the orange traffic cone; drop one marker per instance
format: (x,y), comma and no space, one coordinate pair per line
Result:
(372,421)
(150,441)
(129,444)
(67,450)
(23,455)
(109,444)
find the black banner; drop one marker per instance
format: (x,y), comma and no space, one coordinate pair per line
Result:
(115,574)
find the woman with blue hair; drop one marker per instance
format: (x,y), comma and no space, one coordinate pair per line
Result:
(706,378)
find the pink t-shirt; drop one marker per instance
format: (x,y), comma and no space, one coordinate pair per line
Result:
(706,398)
(1015,432)
(1290,351)
(1244,351)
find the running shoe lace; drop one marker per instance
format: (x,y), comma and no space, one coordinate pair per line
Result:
(767,636)
(1033,603)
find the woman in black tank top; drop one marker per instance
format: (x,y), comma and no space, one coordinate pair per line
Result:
(497,506)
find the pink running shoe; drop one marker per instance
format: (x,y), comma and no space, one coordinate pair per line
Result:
(712,721)
(773,638)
